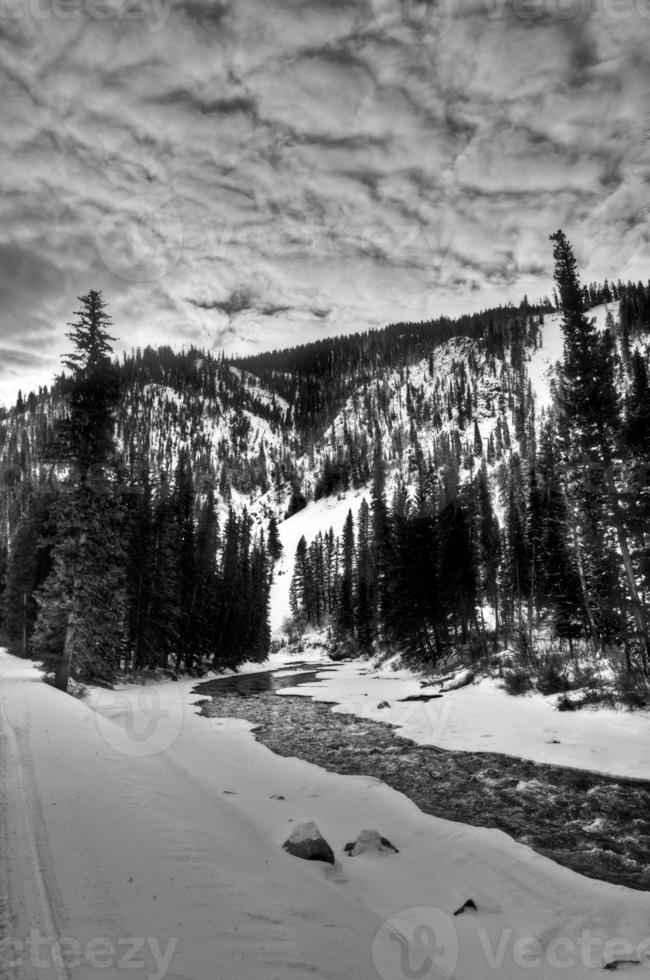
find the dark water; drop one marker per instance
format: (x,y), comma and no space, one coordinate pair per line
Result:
(597,825)
(261,682)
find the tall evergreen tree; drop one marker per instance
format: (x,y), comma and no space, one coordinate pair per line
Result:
(590,415)
(365,611)
(80,629)
(345,619)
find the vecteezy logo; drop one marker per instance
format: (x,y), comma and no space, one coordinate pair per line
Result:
(142,240)
(416,944)
(140,723)
(414,21)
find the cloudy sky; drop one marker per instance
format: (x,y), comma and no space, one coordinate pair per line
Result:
(244,174)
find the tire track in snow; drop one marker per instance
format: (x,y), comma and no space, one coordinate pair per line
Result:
(39,911)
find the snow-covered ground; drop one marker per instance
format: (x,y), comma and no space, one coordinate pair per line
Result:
(142,830)
(482,717)
(317,516)
(542,363)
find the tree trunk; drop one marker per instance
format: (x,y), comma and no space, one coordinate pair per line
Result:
(579,563)
(63,668)
(638,610)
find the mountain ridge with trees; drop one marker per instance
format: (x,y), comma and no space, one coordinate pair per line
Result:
(483,522)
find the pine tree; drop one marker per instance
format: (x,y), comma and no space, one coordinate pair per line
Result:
(345,618)
(478,442)
(183,503)
(489,547)
(80,629)
(365,612)
(590,414)
(274,544)
(381,535)
(299,580)
(29,564)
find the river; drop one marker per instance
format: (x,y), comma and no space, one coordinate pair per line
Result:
(597,825)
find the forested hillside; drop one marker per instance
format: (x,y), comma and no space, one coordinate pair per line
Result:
(141,498)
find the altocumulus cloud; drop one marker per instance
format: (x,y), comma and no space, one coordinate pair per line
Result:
(268,171)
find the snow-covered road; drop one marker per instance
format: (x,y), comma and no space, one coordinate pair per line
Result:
(115,859)
(140,831)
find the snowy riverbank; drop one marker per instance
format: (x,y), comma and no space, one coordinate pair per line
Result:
(482,717)
(155,823)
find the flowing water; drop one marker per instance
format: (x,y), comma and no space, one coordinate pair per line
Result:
(597,825)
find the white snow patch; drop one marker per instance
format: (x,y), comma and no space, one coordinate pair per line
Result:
(482,717)
(317,516)
(186,843)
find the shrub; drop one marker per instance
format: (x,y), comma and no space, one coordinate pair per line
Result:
(552,678)
(516,680)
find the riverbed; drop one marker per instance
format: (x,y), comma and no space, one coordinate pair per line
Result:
(597,825)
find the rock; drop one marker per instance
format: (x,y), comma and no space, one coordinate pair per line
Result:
(466,906)
(307,842)
(370,840)
(277,796)
(614,964)
(383,704)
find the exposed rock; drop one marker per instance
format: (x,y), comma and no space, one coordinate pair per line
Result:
(466,906)
(370,840)
(277,796)
(383,704)
(306,841)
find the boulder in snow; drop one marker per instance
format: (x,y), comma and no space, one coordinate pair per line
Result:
(469,905)
(306,841)
(370,840)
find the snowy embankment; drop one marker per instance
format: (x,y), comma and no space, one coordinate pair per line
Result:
(143,824)
(482,717)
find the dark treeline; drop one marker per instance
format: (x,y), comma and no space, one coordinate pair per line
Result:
(111,483)
(316,378)
(110,567)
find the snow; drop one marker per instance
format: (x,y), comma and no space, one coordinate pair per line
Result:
(317,516)
(184,844)
(179,845)
(542,362)
(484,718)
(254,387)
(112,835)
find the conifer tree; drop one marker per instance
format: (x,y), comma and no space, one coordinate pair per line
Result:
(274,544)
(80,629)
(365,613)
(345,611)
(590,415)
(28,565)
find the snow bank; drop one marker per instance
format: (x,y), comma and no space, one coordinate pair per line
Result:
(160,823)
(484,718)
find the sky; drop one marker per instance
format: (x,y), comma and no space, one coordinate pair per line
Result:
(250,174)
